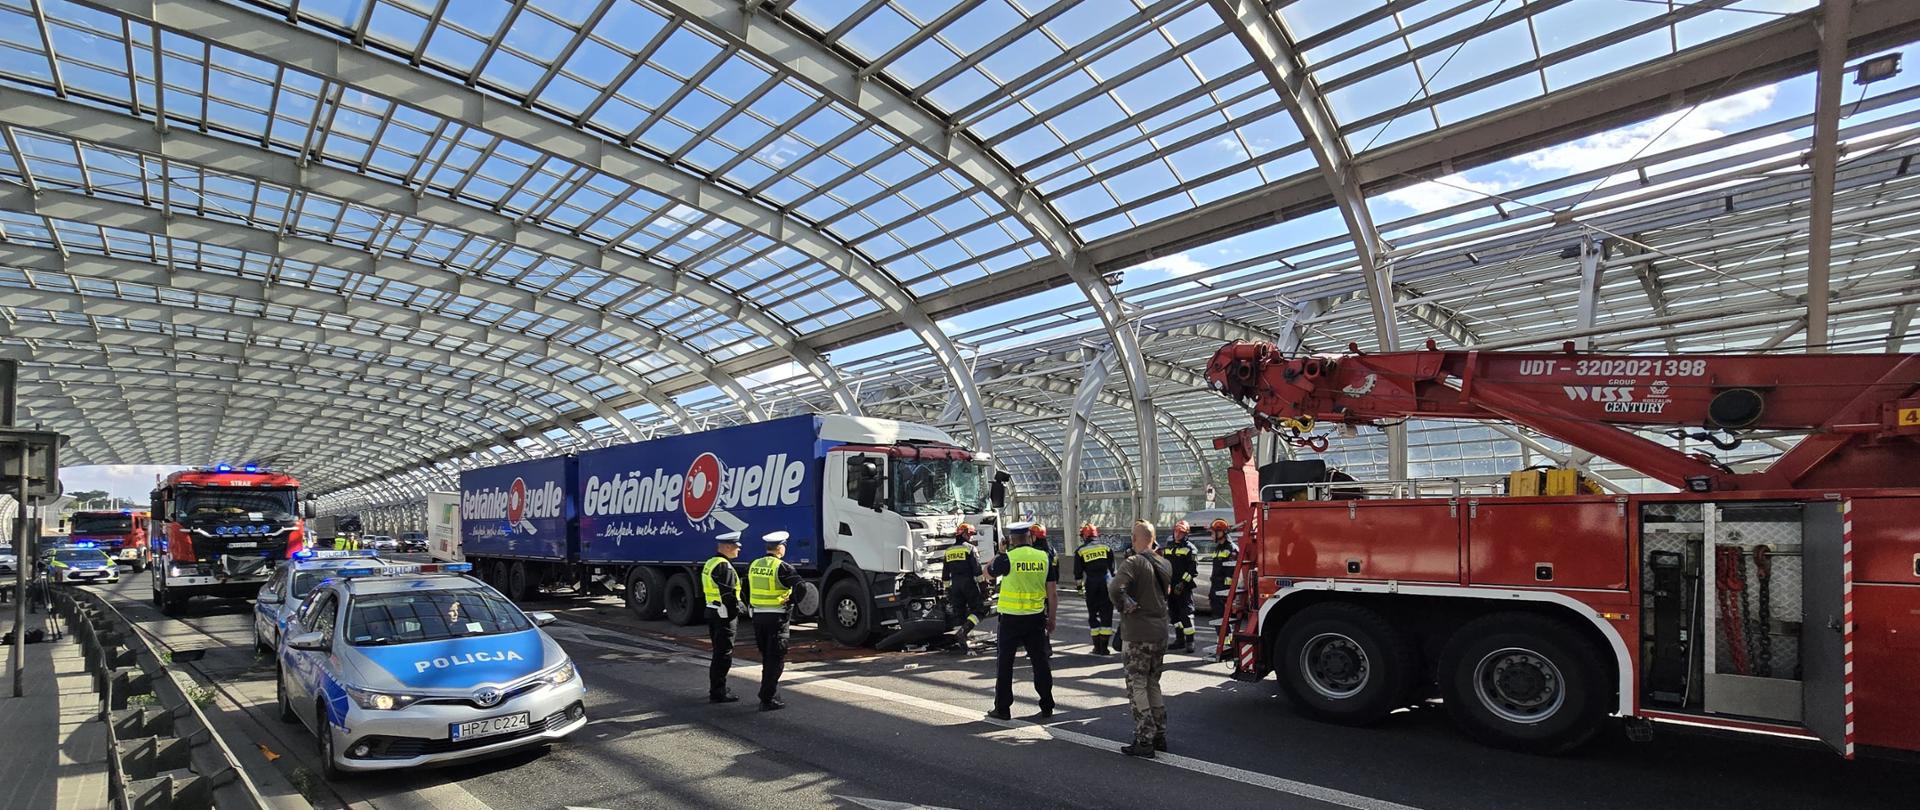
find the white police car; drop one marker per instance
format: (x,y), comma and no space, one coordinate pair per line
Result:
(287,589)
(81,562)
(417,665)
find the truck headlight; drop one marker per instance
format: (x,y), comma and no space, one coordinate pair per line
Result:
(380,701)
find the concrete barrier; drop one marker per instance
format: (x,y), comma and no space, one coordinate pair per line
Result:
(165,754)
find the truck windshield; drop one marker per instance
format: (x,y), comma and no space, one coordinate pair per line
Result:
(100,524)
(414,616)
(230,503)
(931,486)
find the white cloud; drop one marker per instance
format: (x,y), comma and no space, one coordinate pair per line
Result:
(1670,131)
(1444,193)
(1177,264)
(119,480)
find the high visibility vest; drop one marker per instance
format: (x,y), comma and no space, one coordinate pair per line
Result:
(1023,591)
(763,583)
(707,586)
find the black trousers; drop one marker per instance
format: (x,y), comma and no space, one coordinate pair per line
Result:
(1180,614)
(965,603)
(770,635)
(720,632)
(1099,612)
(1029,633)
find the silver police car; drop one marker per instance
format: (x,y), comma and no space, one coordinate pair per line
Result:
(287,589)
(415,665)
(81,562)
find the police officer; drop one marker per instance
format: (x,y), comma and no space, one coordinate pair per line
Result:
(721,586)
(1226,556)
(960,568)
(1096,566)
(771,585)
(1181,553)
(1029,593)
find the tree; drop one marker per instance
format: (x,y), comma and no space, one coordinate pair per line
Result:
(82,497)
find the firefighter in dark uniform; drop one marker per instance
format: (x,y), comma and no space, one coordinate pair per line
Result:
(1039,535)
(1226,556)
(960,568)
(721,586)
(1029,594)
(771,591)
(1182,553)
(1096,568)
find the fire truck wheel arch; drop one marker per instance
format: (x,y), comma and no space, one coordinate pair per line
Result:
(1566,607)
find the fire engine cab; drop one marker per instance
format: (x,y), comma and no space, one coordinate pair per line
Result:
(1782,597)
(220,530)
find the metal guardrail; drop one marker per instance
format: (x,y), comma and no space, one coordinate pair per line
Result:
(164,755)
(1409,488)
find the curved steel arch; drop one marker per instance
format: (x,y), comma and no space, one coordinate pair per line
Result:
(77,207)
(835,74)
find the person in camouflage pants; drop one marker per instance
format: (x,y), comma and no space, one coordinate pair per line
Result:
(1140,589)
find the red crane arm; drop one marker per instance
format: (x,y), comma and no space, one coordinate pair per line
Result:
(1863,409)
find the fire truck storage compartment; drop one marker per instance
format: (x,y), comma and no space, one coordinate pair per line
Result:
(1555,543)
(1758,596)
(1406,541)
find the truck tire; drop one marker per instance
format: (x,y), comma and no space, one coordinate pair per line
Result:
(646,592)
(517,590)
(1525,682)
(682,603)
(847,613)
(1343,663)
(497,576)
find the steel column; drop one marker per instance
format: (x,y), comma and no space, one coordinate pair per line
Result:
(1836,18)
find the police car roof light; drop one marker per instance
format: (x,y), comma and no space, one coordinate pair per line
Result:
(334,554)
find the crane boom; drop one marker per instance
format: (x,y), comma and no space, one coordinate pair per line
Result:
(1862,411)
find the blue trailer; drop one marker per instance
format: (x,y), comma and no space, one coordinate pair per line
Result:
(869,505)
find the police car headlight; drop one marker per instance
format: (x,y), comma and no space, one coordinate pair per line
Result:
(561,675)
(380,701)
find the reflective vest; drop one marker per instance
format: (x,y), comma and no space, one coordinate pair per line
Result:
(958,553)
(763,584)
(1023,591)
(707,585)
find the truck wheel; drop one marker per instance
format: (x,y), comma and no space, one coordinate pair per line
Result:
(497,576)
(1524,681)
(1343,663)
(646,592)
(682,608)
(517,590)
(847,613)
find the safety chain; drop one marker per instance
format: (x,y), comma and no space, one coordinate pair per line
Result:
(1731,569)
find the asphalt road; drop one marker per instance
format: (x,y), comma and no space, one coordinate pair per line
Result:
(905,729)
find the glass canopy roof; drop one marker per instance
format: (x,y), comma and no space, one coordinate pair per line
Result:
(507,228)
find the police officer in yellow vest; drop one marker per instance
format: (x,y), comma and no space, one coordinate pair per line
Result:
(771,591)
(1029,593)
(721,586)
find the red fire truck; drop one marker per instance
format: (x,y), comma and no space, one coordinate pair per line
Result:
(220,531)
(121,533)
(1781,596)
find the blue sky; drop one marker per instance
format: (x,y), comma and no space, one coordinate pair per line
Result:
(133,481)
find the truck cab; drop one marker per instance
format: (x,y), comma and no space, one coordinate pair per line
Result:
(119,533)
(220,530)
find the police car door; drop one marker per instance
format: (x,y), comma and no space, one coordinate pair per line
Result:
(308,667)
(271,600)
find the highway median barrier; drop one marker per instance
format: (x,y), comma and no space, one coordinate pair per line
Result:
(164,754)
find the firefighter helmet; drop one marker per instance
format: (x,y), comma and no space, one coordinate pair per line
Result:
(1181,529)
(1039,532)
(1220,526)
(963,531)
(1087,530)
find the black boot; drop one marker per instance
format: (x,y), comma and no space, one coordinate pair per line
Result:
(1160,742)
(1100,646)
(1137,750)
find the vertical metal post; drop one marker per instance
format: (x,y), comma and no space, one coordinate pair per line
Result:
(22,557)
(1836,19)
(1589,301)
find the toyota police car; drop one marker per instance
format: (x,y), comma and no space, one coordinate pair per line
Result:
(414,665)
(287,589)
(81,562)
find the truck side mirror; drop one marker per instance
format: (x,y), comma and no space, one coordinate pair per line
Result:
(997,493)
(867,486)
(307,511)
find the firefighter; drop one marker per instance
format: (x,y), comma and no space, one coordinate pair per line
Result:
(966,583)
(721,586)
(1039,534)
(1029,594)
(1181,552)
(1226,555)
(771,585)
(1096,566)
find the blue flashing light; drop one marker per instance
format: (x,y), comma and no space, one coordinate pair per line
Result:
(303,554)
(353,572)
(223,468)
(83,544)
(457,568)
(252,468)
(311,554)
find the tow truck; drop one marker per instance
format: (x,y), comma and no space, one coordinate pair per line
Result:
(1781,597)
(220,530)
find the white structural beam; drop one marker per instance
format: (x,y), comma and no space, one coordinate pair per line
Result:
(1079,422)
(1265,37)
(1835,20)
(345,64)
(252,164)
(1587,309)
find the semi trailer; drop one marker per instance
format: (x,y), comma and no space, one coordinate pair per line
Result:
(870,505)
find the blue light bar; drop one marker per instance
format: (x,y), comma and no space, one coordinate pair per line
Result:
(251,468)
(223,467)
(83,544)
(311,554)
(427,568)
